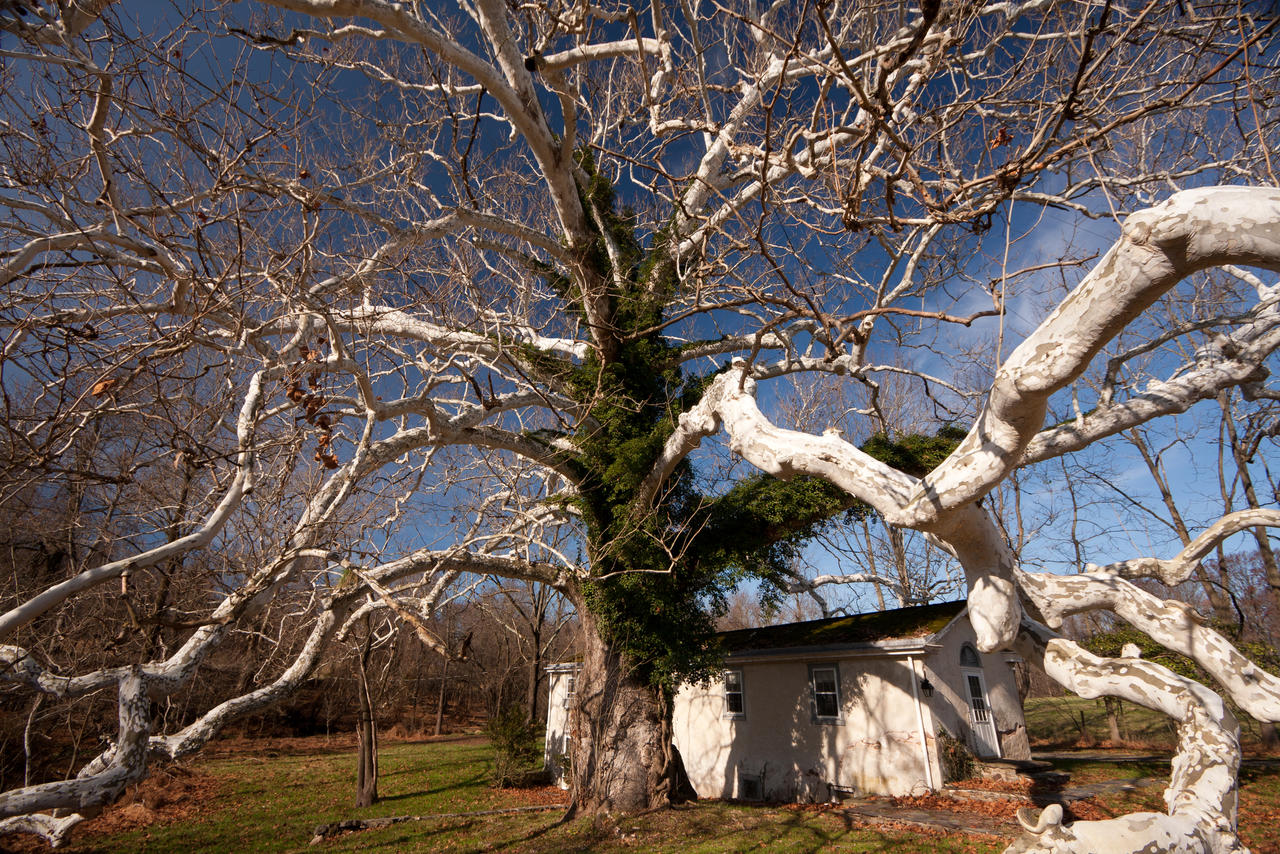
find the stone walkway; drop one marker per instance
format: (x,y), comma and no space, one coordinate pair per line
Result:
(876,811)
(1060,796)
(1104,787)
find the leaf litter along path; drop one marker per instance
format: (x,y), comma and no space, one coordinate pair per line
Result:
(176,796)
(987,816)
(990,807)
(948,815)
(929,814)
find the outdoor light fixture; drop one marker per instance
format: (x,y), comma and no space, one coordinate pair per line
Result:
(926,687)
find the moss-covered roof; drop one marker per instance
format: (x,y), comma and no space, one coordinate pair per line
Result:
(900,623)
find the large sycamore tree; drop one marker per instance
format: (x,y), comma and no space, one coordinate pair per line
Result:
(411,292)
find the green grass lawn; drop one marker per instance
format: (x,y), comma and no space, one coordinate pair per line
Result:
(262,799)
(272,803)
(1074,721)
(1085,770)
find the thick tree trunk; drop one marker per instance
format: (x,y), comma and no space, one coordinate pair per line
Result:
(622,756)
(367,755)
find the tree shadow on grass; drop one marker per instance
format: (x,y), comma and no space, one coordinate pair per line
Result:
(475,782)
(737,828)
(411,836)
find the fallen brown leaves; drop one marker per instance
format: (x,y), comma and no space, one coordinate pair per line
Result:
(172,794)
(1090,809)
(810,808)
(1001,810)
(1023,785)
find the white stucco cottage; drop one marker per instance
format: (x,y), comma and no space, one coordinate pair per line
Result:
(806,711)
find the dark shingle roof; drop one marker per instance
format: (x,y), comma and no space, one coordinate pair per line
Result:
(917,622)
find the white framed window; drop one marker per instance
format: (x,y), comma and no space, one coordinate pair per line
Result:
(735,699)
(570,689)
(824,690)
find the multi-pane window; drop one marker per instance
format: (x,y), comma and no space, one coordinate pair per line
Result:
(570,688)
(824,682)
(978,700)
(734,702)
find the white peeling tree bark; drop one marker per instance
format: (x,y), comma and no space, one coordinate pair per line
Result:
(100,782)
(422,300)
(53,810)
(1201,796)
(1190,231)
(1171,623)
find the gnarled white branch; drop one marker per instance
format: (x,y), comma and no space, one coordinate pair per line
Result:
(967,530)
(1191,231)
(1173,624)
(101,781)
(1178,569)
(1201,796)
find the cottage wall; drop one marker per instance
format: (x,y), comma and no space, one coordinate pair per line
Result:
(556,747)
(951,702)
(779,752)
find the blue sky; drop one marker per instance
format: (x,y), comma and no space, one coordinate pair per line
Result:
(1038,235)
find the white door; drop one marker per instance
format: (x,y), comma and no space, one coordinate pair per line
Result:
(985,742)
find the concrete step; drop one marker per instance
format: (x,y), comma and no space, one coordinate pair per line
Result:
(1010,769)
